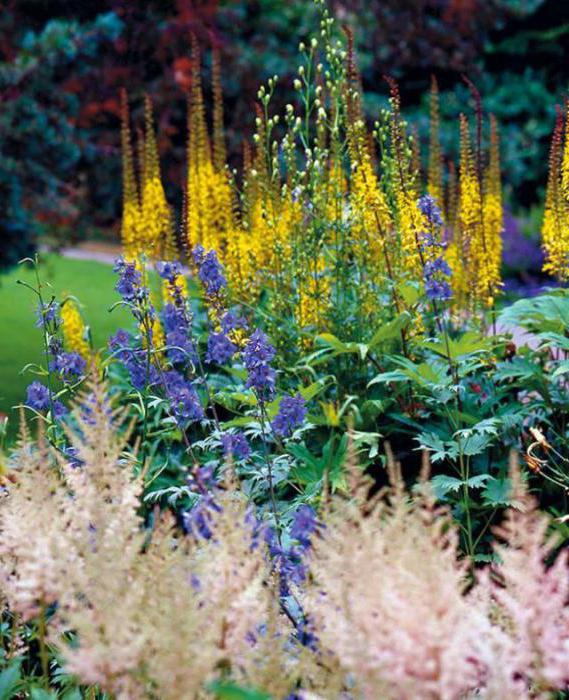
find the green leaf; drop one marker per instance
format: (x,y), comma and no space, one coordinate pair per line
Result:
(486,558)
(9,680)
(443,484)
(562,368)
(438,448)
(497,492)
(230,691)
(333,342)
(41,694)
(389,331)
(396,375)
(475,444)
(478,481)
(312,390)
(410,293)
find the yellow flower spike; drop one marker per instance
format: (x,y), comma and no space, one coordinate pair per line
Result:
(493,217)
(435,173)
(131,215)
(74,330)
(210,207)
(158,227)
(555,226)
(314,297)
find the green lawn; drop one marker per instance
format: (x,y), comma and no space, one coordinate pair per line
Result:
(20,341)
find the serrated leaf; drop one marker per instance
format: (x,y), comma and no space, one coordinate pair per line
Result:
(478,481)
(443,484)
(498,492)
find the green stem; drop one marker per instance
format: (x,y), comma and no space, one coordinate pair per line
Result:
(44,655)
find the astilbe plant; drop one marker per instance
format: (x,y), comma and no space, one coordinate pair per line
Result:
(148,611)
(371,600)
(403,616)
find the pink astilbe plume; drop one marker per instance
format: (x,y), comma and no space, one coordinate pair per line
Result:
(389,602)
(529,595)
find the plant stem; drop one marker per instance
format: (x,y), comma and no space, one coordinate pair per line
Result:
(44,655)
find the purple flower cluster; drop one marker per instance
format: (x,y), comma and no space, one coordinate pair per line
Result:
(180,349)
(69,365)
(169,271)
(47,313)
(183,397)
(219,348)
(257,356)
(436,270)
(289,562)
(199,520)
(129,285)
(38,398)
(429,208)
(235,445)
(134,359)
(291,413)
(231,322)
(210,271)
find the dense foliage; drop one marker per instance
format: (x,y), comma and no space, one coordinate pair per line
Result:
(296,473)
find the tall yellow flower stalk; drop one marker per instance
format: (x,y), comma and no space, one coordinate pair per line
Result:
(372,230)
(493,215)
(132,213)
(435,172)
(478,252)
(403,180)
(210,210)
(74,330)
(147,225)
(555,227)
(158,239)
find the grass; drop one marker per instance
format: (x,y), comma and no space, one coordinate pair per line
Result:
(21,342)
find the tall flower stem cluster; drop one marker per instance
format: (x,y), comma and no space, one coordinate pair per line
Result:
(326,221)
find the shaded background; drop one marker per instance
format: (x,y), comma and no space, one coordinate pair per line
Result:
(63,63)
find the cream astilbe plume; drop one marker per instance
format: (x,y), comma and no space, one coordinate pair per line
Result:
(389,602)
(32,530)
(101,599)
(209,601)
